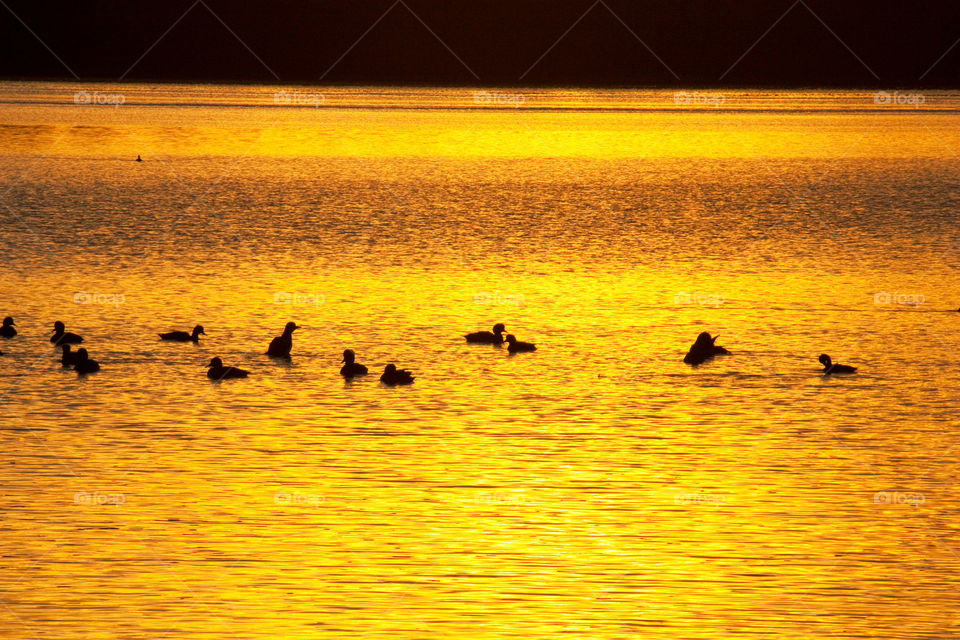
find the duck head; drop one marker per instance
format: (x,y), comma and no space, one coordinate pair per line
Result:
(390,368)
(825,360)
(58,327)
(349,356)
(65,348)
(198,330)
(511,338)
(215,363)
(499,328)
(82,355)
(290,328)
(8,321)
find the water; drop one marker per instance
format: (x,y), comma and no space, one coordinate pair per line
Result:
(598,488)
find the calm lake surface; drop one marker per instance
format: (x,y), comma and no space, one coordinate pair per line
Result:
(598,488)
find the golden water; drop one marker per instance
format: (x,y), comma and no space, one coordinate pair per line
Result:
(598,488)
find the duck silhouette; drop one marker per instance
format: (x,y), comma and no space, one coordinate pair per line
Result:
(7,330)
(351,368)
(830,368)
(63,337)
(216,371)
(487,337)
(704,349)
(514,346)
(281,345)
(183,336)
(139,159)
(83,363)
(68,358)
(393,376)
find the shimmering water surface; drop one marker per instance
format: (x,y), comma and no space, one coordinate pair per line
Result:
(598,488)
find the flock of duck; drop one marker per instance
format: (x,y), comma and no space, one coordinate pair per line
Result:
(703,349)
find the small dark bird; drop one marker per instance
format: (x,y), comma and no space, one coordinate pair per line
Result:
(7,330)
(351,368)
(487,337)
(69,358)
(216,371)
(84,364)
(183,336)
(704,349)
(281,345)
(139,159)
(392,375)
(63,337)
(513,346)
(829,367)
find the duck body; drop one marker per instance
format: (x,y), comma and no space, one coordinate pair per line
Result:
(83,363)
(351,369)
(69,358)
(515,346)
(704,349)
(830,368)
(281,346)
(393,376)
(60,336)
(216,371)
(487,337)
(8,330)
(183,336)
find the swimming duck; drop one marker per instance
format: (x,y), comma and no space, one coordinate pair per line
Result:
(829,367)
(63,337)
(183,336)
(7,330)
(69,358)
(139,159)
(216,371)
(351,368)
(392,375)
(487,337)
(84,364)
(513,346)
(704,349)
(281,345)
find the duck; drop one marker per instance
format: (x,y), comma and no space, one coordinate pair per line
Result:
(704,349)
(281,345)
(829,367)
(69,358)
(63,337)
(487,337)
(513,346)
(351,368)
(7,330)
(84,364)
(216,371)
(183,336)
(393,376)
(139,159)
